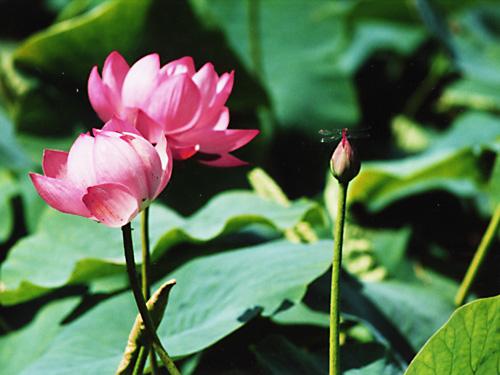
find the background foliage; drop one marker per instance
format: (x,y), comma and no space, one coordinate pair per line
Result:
(250,257)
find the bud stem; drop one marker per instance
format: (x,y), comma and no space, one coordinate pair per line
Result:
(479,256)
(335,295)
(128,247)
(145,275)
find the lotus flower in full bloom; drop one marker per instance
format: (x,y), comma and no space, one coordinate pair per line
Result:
(175,100)
(109,177)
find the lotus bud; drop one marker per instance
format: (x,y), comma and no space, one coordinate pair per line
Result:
(344,163)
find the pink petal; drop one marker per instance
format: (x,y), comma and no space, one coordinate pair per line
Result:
(54,163)
(111,204)
(175,103)
(216,101)
(206,79)
(80,162)
(224,160)
(60,194)
(116,161)
(166,164)
(114,72)
(98,96)
(148,128)
(219,141)
(209,117)
(183,152)
(153,160)
(222,121)
(224,88)
(140,81)
(184,65)
(119,126)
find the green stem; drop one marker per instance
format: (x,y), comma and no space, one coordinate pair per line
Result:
(146,259)
(141,303)
(253,36)
(145,274)
(335,295)
(479,256)
(141,360)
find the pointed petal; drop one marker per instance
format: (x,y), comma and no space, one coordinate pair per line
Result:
(98,96)
(184,65)
(224,160)
(111,204)
(148,128)
(222,121)
(119,126)
(140,81)
(213,118)
(219,141)
(224,88)
(60,194)
(80,162)
(216,101)
(166,164)
(175,103)
(114,72)
(206,79)
(54,163)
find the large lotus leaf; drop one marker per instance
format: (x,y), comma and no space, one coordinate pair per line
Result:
(214,296)
(20,348)
(55,63)
(476,44)
(33,147)
(296,48)
(466,344)
(307,50)
(74,8)
(277,356)
(389,250)
(453,163)
(69,249)
(473,94)
(301,314)
(52,107)
(64,47)
(405,312)
(381,298)
(374,35)
(400,313)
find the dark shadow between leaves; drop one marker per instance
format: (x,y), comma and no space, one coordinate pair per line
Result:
(249,314)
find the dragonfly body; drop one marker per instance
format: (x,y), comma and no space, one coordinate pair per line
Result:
(343,133)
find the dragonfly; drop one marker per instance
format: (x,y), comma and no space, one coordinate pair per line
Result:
(333,135)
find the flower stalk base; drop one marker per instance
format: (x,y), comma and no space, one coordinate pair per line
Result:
(141,303)
(334,362)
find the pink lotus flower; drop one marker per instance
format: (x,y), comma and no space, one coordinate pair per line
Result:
(109,177)
(186,105)
(344,162)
